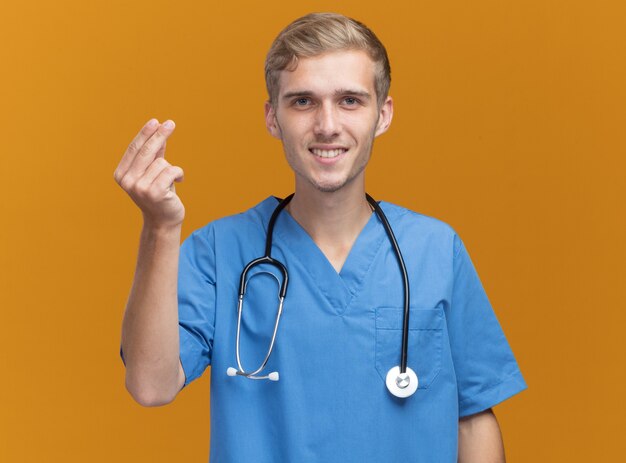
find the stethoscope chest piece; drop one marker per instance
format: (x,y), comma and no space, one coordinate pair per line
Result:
(401,384)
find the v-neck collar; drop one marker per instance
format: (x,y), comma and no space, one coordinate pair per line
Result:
(338,288)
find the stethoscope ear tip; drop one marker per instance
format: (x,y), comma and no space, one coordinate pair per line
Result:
(273,376)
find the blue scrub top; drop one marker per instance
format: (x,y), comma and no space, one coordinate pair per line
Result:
(338,336)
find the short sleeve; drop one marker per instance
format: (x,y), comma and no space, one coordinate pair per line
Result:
(196,302)
(486,370)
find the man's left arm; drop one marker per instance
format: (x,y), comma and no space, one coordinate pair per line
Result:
(480,440)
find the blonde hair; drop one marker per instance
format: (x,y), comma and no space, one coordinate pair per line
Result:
(316,33)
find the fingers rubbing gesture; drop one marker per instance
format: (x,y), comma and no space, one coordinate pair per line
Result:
(149,179)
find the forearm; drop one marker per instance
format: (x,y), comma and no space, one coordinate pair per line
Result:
(480,440)
(150,339)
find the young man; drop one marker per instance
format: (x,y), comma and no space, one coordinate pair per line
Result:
(342,321)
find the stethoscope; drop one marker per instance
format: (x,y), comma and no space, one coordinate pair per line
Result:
(401,380)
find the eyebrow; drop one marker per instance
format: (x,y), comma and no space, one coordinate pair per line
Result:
(342,91)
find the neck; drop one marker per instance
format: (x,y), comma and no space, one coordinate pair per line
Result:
(333,220)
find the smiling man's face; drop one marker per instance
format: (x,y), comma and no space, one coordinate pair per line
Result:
(327,117)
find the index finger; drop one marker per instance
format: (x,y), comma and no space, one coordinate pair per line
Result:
(150,149)
(133,148)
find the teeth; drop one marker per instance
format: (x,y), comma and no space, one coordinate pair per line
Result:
(327,153)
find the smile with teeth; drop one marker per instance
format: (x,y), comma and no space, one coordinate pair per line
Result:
(327,153)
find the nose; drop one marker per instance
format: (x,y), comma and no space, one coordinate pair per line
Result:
(327,123)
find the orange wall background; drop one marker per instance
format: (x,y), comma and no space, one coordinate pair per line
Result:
(509,125)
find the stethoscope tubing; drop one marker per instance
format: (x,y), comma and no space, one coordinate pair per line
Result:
(242,371)
(268,259)
(405,281)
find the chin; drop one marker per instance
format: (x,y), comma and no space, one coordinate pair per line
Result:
(326,187)
(329,186)
(334,184)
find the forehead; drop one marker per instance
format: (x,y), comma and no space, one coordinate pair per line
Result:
(330,72)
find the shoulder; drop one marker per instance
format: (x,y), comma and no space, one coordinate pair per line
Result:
(243,223)
(417,224)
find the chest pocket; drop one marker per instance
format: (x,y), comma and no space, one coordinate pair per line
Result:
(425,342)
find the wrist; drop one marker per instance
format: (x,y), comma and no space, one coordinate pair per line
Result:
(161,230)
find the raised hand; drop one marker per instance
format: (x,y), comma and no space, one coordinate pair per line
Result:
(149,179)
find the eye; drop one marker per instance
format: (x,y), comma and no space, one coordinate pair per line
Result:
(350,101)
(301,101)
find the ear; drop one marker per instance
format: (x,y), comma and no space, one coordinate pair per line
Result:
(270,121)
(384,116)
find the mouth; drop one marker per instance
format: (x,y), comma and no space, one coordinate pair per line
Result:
(327,153)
